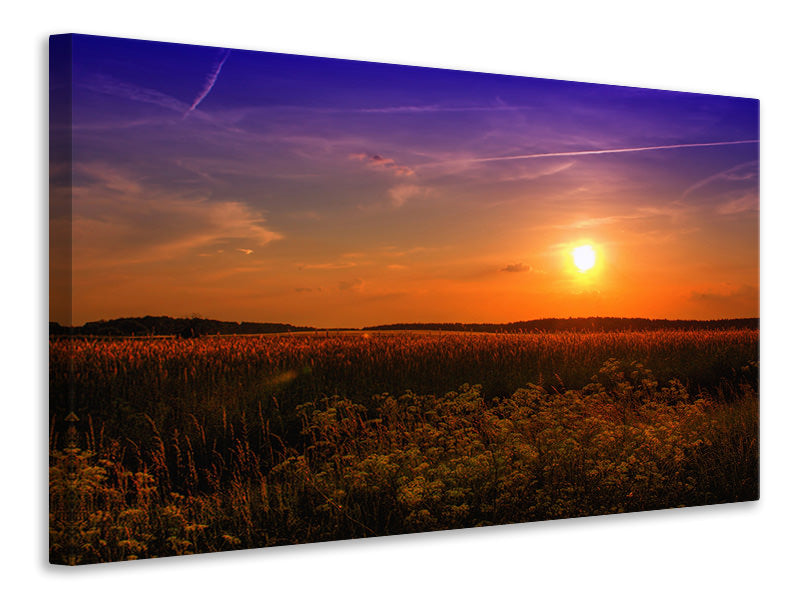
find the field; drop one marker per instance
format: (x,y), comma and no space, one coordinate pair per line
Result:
(221,443)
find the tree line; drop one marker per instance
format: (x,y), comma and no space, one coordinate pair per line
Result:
(195,326)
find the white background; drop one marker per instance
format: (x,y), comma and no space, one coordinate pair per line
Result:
(733,48)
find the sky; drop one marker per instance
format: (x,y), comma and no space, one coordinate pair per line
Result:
(253,186)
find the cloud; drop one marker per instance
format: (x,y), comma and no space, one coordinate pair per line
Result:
(119,219)
(211,79)
(739,203)
(310,215)
(595,222)
(593,152)
(109,178)
(744,291)
(395,252)
(114,87)
(327,266)
(377,161)
(728,192)
(351,285)
(742,300)
(437,108)
(743,172)
(400,194)
(516,268)
(639,220)
(531,173)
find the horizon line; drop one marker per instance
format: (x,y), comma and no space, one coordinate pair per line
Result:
(410,322)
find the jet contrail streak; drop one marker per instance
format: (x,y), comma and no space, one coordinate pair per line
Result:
(210,81)
(589,152)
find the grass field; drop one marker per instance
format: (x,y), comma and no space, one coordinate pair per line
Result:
(217,443)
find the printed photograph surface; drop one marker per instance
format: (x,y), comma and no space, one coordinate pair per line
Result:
(298,299)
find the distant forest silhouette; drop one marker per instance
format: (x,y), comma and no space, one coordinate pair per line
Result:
(195,326)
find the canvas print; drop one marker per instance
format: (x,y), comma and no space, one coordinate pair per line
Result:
(299,299)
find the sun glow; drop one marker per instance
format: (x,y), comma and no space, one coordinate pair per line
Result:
(584,257)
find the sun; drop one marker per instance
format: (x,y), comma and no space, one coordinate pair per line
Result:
(584,257)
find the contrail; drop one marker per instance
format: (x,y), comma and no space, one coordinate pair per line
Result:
(210,81)
(589,152)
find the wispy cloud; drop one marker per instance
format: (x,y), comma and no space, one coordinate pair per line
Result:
(211,79)
(126,235)
(114,87)
(394,251)
(590,152)
(595,222)
(114,214)
(310,215)
(668,212)
(400,194)
(109,178)
(738,203)
(747,171)
(327,266)
(516,268)
(437,108)
(531,173)
(351,285)
(378,161)
(746,295)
